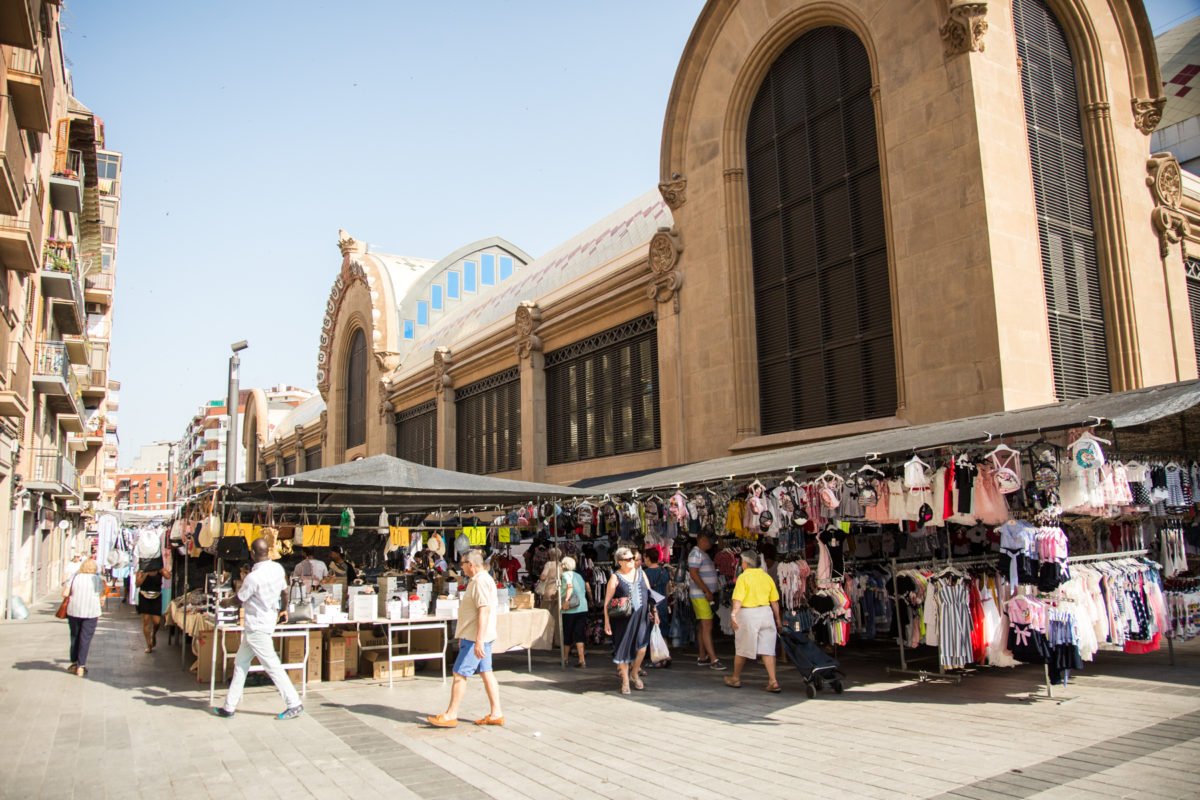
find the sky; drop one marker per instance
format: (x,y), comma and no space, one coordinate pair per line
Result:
(253,131)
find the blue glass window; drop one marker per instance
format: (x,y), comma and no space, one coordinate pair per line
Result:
(422,312)
(410,329)
(487,269)
(435,296)
(452,285)
(506,268)
(469,276)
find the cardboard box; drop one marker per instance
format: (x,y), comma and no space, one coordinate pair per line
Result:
(202,645)
(363,607)
(374,664)
(315,649)
(351,640)
(522,600)
(333,666)
(428,641)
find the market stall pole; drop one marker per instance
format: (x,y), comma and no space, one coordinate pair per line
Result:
(284,631)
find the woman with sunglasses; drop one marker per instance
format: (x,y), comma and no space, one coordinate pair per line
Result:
(628,614)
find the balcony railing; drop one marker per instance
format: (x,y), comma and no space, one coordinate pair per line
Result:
(66,182)
(49,467)
(20,234)
(100,281)
(16,160)
(50,358)
(35,77)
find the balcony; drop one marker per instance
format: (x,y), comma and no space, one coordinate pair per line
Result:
(51,473)
(17,20)
(51,369)
(13,188)
(59,269)
(31,86)
(66,183)
(98,287)
(211,476)
(21,236)
(90,486)
(14,397)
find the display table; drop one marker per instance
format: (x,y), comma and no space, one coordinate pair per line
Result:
(526,630)
(196,620)
(441,624)
(282,631)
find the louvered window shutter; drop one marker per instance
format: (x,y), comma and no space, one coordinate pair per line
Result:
(1070,269)
(312,458)
(602,394)
(489,424)
(416,434)
(356,391)
(822,296)
(289,465)
(1193,290)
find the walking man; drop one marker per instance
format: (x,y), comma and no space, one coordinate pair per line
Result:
(262,593)
(476,633)
(702,583)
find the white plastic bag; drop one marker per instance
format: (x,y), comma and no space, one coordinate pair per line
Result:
(658,647)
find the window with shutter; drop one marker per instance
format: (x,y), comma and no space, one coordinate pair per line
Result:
(356,391)
(1193,289)
(488,425)
(416,434)
(312,458)
(602,394)
(1070,268)
(822,295)
(289,465)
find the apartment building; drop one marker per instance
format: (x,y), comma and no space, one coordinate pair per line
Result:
(201,452)
(56,293)
(146,484)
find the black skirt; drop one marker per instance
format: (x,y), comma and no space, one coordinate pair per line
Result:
(150,605)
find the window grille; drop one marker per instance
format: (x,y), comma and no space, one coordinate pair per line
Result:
(822,294)
(416,434)
(602,394)
(1070,268)
(489,424)
(1193,291)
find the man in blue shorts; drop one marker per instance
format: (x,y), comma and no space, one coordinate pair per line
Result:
(476,634)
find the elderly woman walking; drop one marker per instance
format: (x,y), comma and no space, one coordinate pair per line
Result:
(83,591)
(628,614)
(755,621)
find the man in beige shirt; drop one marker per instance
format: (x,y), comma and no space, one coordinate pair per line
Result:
(476,634)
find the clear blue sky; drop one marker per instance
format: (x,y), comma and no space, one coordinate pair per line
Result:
(253,131)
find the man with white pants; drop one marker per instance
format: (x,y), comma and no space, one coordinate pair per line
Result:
(262,593)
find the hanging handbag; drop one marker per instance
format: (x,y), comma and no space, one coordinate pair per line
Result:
(570,601)
(62,608)
(620,607)
(232,547)
(210,526)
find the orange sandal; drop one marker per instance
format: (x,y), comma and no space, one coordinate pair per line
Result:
(490,720)
(441,721)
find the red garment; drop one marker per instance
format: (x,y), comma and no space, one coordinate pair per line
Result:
(1139,648)
(948,505)
(978,644)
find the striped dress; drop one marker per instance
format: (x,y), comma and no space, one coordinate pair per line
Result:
(955,624)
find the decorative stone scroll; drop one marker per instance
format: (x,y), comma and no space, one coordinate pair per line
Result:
(672,192)
(666,280)
(351,272)
(965,27)
(1148,113)
(528,318)
(441,370)
(1166,186)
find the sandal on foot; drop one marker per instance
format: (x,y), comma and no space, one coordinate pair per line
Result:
(732,683)
(773,688)
(637,684)
(625,690)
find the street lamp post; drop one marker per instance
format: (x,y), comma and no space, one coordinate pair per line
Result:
(231,408)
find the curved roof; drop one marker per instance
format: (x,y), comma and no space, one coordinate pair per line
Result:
(626,229)
(301,414)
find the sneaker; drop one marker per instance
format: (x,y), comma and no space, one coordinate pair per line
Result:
(291,713)
(717,665)
(222,712)
(702,662)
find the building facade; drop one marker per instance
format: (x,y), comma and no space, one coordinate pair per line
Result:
(869,215)
(53,378)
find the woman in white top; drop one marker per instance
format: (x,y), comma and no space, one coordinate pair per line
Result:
(84,590)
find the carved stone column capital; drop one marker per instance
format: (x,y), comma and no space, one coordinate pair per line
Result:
(735,174)
(349,245)
(965,26)
(672,192)
(528,318)
(441,371)
(665,247)
(1098,110)
(1166,186)
(1148,113)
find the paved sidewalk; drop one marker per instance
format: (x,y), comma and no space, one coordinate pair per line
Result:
(137,726)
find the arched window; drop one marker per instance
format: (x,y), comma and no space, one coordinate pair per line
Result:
(356,391)
(1070,268)
(822,297)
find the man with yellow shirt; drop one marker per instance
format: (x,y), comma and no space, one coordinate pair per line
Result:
(755,621)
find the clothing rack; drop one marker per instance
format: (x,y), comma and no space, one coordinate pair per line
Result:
(1047,687)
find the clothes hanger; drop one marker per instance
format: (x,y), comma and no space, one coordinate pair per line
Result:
(868,468)
(1003,448)
(916,459)
(829,475)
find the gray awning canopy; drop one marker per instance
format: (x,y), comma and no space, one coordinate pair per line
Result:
(395,484)
(1158,419)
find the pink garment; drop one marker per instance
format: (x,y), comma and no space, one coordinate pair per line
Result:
(990,506)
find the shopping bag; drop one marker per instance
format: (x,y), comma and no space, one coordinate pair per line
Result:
(658,647)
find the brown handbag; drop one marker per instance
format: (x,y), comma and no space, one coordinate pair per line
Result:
(62,609)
